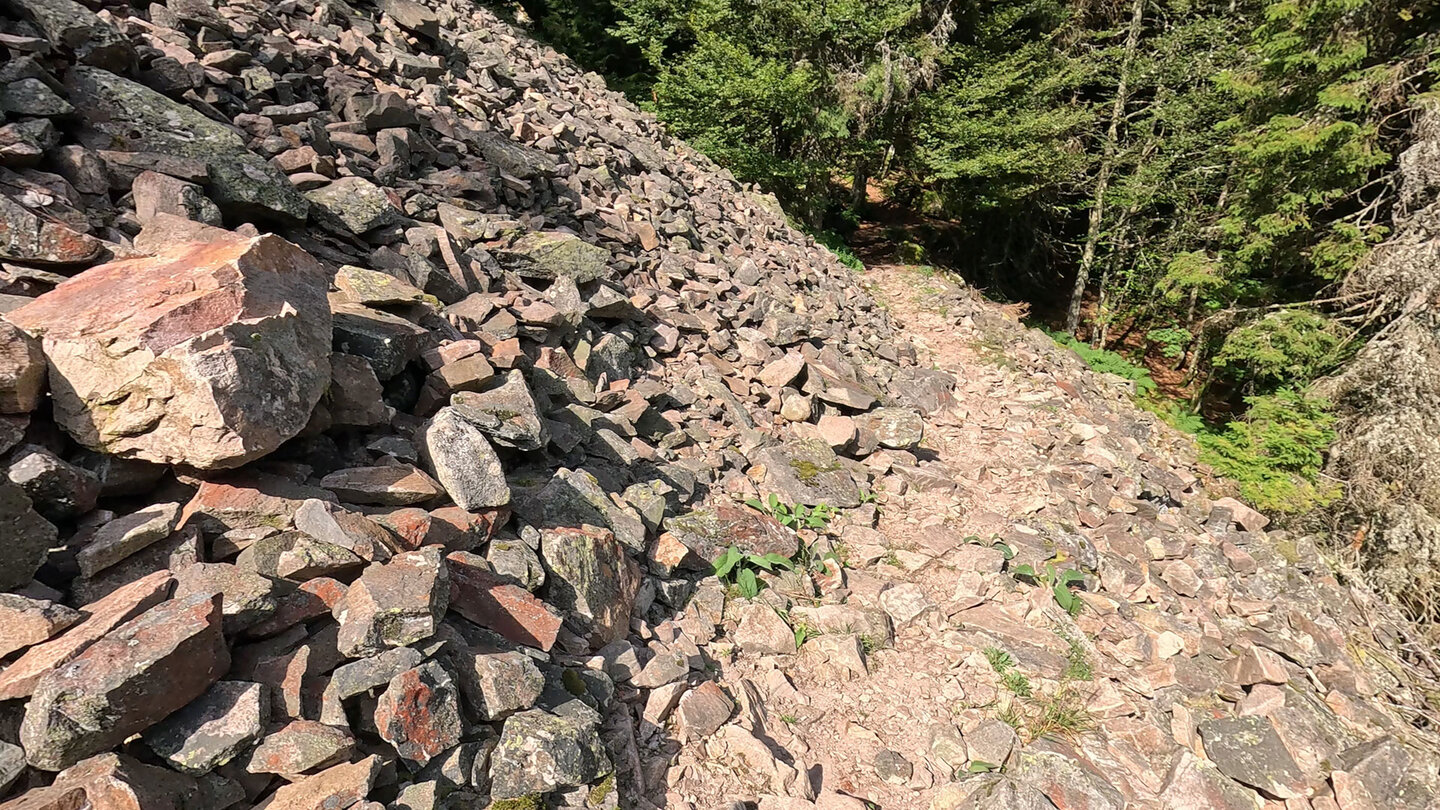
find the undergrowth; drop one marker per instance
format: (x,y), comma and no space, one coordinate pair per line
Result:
(836,245)
(1273,454)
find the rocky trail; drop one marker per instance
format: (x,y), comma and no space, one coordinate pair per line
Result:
(377,390)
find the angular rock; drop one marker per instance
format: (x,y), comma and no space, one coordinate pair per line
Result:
(27,237)
(1057,771)
(552,255)
(394,604)
(388,342)
(419,713)
(120,782)
(361,676)
(338,786)
(709,531)
(30,621)
(392,485)
(496,685)
(703,710)
(895,428)
(122,116)
(591,577)
(207,355)
(356,398)
(1194,782)
(28,537)
(157,193)
(124,683)
(763,632)
(373,288)
(248,597)
(22,370)
(59,490)
(358,203)
(214,729)
(463,461)
(491,601)
(1248,750)
(506,413)
(575,497)
(123,604)
(806,471)
(298,557)
(126,535)
(331,523)
(301,746)
(540,752)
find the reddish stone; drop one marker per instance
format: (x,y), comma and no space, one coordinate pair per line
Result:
(126,682)
(419,713)
(302,745)
(415,528)
(487,599)
(334,788)
(248,501)
(207,355)
(30,621)
(476,528)
(312,599)
(19,679)
(117,782)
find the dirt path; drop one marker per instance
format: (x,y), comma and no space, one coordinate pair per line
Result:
(1038,460)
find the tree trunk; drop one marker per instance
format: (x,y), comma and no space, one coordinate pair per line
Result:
(1107,163)
(858,183)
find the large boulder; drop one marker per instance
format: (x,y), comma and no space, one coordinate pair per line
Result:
(207,355)
(461,458)
(123,116)
(540,752)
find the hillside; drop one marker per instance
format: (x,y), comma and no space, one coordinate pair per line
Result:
(377,390)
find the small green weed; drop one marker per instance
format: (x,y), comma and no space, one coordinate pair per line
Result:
(738,568)
(1077,662)
(1058,581)
(797,516)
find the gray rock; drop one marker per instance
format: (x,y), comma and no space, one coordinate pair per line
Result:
(22,370)
(456,451)
(1248,750)
(157,193)
(214,729)
(357,203)
(553,254)
(893,767)
(249,598)
(574,497)
(358,677)
(387,341)
(506,413)
(517,561)
(590,576)
(540,752)
(59,490)
(496,685)
(895,428)
(69,25)
(12,764)
(806,471)
(126,535)
(393,604)
(123,116)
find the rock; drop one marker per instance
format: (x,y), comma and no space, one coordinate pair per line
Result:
(1248,750)
(497,685)
(517,562)
(70,25)
(592,579)
(27,237)
(12,764)
(123,604)
(372,288)
(1057,771)
(506,413)
(301,746)
(463,461)
(1194,782)
(703,710)
(338,786)
(412,16)
(990,791)
(392,485)
(487,599)
(387,342)
(872,626)
(30,621)
(553,255)
(357,203)
(59,491)
(126,535)
(709,531)
(905,602)
(298,557)
(124,683)
(331,523)
(207,355)
(120,782)
(358,677)
(806,471)
(419,713)
(122,116)
(575,497)
(214,729)
(1249,519)
(22,370)
(540,752)
(782,372)
(895,428)
(249,598)
(394,604)
(157,193)
(31,96)
(836,431)
(893,767)
(991,741)
(763,632)
(28,537)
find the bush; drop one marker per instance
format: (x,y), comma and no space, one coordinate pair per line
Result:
(1108,362)
(1274,454)
(836,245)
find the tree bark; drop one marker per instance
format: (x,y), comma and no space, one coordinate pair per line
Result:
(1107,164)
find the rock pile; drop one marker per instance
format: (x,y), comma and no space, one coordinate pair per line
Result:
(369,375)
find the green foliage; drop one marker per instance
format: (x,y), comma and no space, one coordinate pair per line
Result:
(1057,581)
(738,568)
(1170,341)
(1077,661)
(1284,346)
(836,245)
(1108,362)
(796,516)
(1274,454)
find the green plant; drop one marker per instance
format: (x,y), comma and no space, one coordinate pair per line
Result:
(1275,453)
(1058,581)
(981,766)
(836,245)
(1172,341)
(1077,661)
(798,516)
(1105,361)
(789,719)
(738,568)
(803,633)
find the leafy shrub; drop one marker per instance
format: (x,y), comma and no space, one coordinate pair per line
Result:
(836,245)
(1274,454)
(1105,361)
(1171,341)
(738,568)
(1288,345)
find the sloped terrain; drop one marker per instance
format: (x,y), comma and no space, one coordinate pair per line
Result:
(377,389)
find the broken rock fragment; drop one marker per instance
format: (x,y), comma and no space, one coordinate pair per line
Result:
(591,577)
(490,600)
(540,752)
(28,537)
(213,729)
(419,713)
(207,355)
(394,604)
(126,682)
(462,459)
(22,370)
